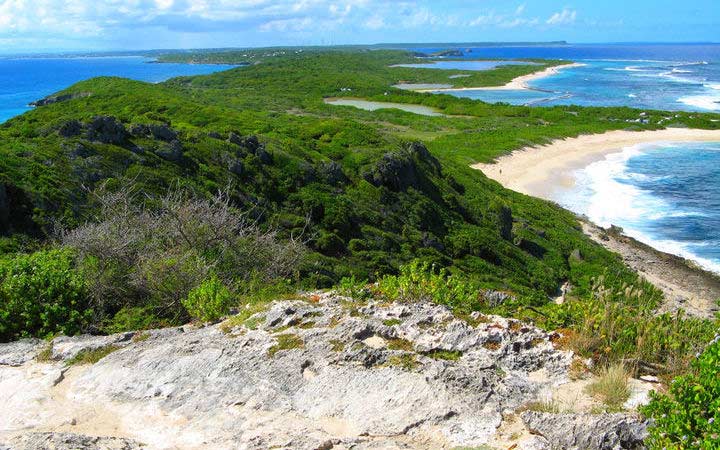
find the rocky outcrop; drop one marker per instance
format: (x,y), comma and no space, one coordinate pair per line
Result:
(587,431)
(160,132)
(59,441)
(319,372)
(59,98)
(401,170)
(70,128)
(106,129)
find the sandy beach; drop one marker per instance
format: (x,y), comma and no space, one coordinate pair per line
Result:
(540,171)
(519,83)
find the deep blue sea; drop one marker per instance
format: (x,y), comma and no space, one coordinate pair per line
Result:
(664,194)
(23,80)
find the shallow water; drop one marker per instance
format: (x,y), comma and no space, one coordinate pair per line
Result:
(373,106)
(466,65)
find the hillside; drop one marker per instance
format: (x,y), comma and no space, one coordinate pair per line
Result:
(208,200)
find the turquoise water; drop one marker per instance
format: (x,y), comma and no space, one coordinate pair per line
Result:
(664,194)
(23,80)
(466,65)
(668,85)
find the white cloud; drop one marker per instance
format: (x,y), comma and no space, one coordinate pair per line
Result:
(564,17)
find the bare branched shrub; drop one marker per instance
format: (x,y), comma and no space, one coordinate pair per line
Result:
(142,251)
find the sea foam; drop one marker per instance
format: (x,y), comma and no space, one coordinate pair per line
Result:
(607,193)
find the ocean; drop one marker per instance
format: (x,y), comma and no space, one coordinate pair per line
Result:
(23,80)
(664,194)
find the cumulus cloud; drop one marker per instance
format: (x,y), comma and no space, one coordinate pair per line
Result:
(195,23)
(564,17)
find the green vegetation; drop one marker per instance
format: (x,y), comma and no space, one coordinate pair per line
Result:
(42,294)
(286,342)
(448,355)
(91,356)
(406,361)
(688,417)
(400,344)
(209,301)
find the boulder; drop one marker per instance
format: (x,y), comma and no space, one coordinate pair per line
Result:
(236,166)
(332,173)
(107,129)
(403,169)
(163,132)
(70,128)
(588,431)
(172,151)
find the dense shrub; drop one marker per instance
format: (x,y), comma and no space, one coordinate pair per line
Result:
(688,417)
(150,253)
(41,294)
(419,281)
(209,301)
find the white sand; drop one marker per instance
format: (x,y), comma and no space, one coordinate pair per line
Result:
(519,83)
(540,170)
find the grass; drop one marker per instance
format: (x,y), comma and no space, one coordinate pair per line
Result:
(611,387)
(337,345)
(400,344)
(391,322)
(141,336)
(287,341)
(91,356)
(406,361)
(243,316)
(543,406)
(46,354)
(448,355)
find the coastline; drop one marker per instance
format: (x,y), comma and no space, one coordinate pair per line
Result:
(539,171)
(519,83)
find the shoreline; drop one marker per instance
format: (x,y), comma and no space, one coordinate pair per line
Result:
(516,84)
(540,171)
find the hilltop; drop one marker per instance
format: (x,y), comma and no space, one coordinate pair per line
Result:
(130,206)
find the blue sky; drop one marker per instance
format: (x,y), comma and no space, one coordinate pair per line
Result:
(47,25)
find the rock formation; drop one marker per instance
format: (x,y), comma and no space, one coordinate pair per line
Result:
(319,372)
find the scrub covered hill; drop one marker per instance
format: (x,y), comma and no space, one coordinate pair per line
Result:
(367,192)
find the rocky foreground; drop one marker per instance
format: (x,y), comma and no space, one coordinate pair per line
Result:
(321,372)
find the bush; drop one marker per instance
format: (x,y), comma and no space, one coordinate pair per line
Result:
(150,253)
(42,294)
(209,301)
(418,281)
(689,416)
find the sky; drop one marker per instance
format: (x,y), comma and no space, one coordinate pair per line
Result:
(71,25)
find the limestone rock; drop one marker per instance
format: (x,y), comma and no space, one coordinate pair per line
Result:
(588,431)
(323,371)
(67,441)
